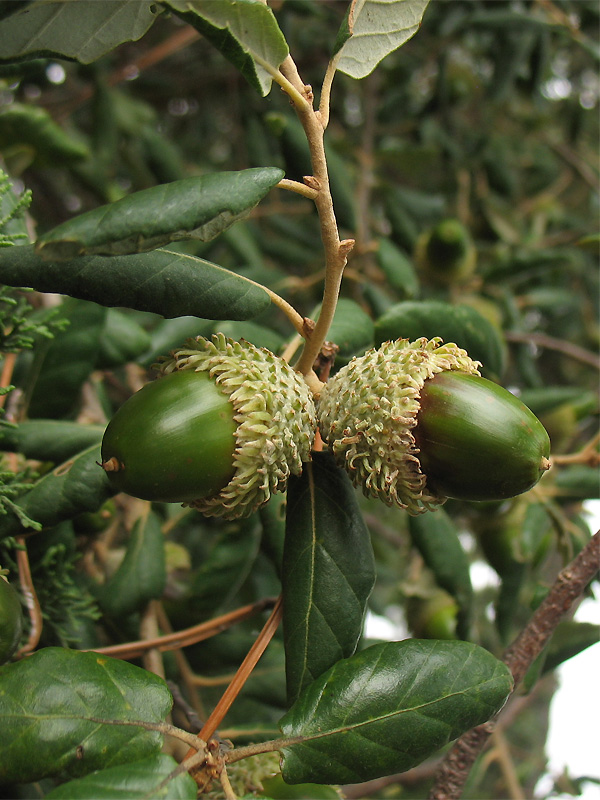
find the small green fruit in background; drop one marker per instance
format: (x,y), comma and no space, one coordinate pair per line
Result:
(221,428)
(446,252)
(11,620)
(432,617)
(413,423)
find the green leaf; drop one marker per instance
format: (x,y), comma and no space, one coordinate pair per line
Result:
(461,324)
(122,340)
(352,329)
(63,364)
(53,704)
(397,268)
(225,568)
(372,30)
(258,335)
(276,789)
(388,708)
(76,486)
(134,781)
(49,439)
(164,282)
(435,536)
(170,333)
(191,208)
(568,640)
(245,31)
(81,31)
(328,572)
(141,576)
(22,124)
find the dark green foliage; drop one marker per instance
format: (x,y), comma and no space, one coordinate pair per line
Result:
(134,148)
(402,701)
(327,566)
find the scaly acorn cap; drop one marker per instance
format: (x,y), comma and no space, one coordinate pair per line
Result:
(368,410)
(274,413)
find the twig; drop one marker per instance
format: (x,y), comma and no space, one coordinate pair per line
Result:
(187,637)
(298,188)
(550,343)
(336,251)
(31,600)
(569,585)
(226,784)
(245,669)
(324,100)
(152,659)
(587,455)
(241,676)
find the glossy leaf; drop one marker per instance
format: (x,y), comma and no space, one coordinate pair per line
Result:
(81,31)
(462,324)
(245,31)
(328,572)
(435,536)
(49,439)
(164,282)
(76,486)
(372,30)
(63,364)
(191,208)
(388,708)
(134,781)
(141,576)
(53,703)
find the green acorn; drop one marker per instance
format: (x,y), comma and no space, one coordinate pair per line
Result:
(221,428)
(446,252)
(413,423)
(11,620)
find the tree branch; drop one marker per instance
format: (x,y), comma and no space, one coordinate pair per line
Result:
(569,585)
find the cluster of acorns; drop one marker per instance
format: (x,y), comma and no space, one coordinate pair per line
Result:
(226,423)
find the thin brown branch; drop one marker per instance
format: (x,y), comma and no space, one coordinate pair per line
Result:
(187,637)
(560,346)
(587,455)
(31,600)
(242,675)
(569,585)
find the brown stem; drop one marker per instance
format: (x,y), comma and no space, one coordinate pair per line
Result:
(569,585)
(336,252)
(31,600)
(187,637)
(587,455)
(8,366)
(550,343)
(241,676)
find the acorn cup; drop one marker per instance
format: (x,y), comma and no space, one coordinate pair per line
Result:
(413,423)
(220,429)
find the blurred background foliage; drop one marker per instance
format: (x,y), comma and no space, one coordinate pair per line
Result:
(466,167)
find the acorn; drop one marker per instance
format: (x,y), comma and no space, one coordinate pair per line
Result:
(220,429)
(414,423)
(446,252)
